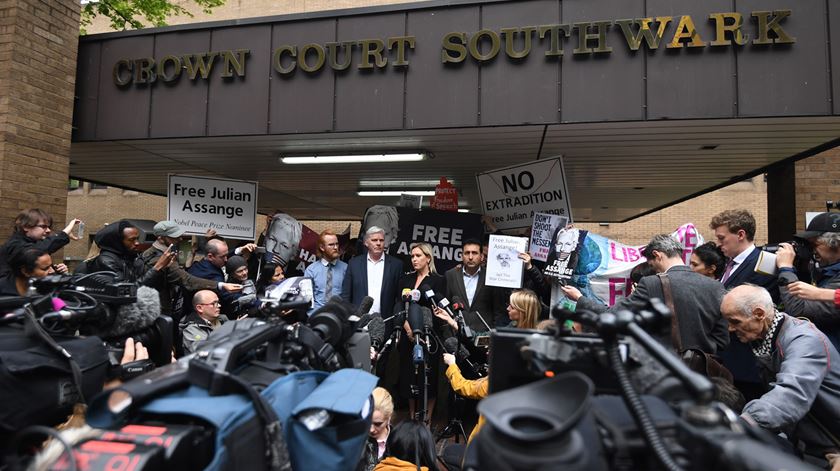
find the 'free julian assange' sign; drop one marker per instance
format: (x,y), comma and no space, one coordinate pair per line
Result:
(511,195)
(201,203)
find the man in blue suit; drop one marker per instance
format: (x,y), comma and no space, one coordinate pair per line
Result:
(734,233)
(373,274)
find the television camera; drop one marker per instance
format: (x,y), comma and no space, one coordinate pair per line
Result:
(566,401)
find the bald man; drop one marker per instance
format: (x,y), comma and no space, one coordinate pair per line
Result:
(205,318)
(799,366)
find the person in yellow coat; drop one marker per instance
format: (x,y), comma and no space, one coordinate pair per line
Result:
(469,388)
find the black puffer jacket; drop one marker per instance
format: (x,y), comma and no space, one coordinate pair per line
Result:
(115,257)
(18,243)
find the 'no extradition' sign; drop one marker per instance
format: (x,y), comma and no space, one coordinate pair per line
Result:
(202,203)
(511,195)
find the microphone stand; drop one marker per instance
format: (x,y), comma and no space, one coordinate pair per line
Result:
(421,378)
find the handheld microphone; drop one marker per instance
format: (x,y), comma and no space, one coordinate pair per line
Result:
(415,296)
(428,322)
(451,346)
(440,302)
(458,306)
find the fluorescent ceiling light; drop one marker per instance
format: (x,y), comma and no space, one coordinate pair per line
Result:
(399,183)
(352,159)
(463,210)
(394,193)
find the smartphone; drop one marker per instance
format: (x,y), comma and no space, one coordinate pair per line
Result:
(259,250)
(80,230)
(173,248)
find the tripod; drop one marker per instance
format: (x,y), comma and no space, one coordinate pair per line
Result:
(455,426)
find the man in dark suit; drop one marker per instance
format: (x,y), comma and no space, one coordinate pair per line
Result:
(373,274)
(696,297)
(734,233)
(465,284)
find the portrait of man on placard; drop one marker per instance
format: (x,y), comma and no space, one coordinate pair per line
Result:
(563,256)
(385,217)
(282,241)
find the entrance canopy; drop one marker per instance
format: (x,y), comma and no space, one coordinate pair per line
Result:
(647,106)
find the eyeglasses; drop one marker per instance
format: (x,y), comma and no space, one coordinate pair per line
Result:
(214,303)
(43,226)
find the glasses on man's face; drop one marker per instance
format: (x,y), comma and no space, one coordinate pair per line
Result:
(44,226)
(214,303)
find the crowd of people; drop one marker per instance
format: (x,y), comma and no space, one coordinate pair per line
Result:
(772,338)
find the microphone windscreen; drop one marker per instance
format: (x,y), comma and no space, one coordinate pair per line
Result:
(450,345)
(415,295)
(247,299)
(427,317)
(364,319)
(376,328)
(364,306)
(415,317)
(456,300)
(135,317)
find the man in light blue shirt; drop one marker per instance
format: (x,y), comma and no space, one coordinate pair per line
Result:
(328,272)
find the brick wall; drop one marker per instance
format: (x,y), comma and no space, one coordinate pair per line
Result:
(817,180)
(38,43)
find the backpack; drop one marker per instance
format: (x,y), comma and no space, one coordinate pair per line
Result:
(238,434)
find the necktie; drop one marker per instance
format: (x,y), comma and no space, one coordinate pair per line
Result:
(328,289)
(728,271)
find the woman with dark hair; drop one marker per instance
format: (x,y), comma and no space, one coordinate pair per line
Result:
(270,273)
(708,260)
(31,263)
(423,276)
(410,447)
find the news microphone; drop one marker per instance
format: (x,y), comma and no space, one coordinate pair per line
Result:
(134,317)
(451,346)
(440,302)
(416,319)
(364,306)
(459,306)
(376,328)
(406,297)
(415,295)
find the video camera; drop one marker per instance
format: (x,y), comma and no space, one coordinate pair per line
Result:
(252,387)
(586,414)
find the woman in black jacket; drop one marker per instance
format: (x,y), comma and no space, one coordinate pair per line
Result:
(423,277)
(119,243)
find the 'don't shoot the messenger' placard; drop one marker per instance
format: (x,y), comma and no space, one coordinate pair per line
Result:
(510,196)
(542,230)
(504,267)
(201,203)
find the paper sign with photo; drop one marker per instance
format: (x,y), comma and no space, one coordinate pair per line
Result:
(504,267)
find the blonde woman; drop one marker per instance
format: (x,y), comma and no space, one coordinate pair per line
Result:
(524,309)
(423,276)
(380,428)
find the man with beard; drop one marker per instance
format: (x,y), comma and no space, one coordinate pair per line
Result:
(328,272)
(119,244)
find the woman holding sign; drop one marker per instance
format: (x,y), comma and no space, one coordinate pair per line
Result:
(423,278)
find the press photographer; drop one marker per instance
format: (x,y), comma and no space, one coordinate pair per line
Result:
(823,237)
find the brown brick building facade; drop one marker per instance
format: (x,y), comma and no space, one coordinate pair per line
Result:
(38,46)
(37,73)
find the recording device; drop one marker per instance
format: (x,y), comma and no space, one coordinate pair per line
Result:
(578,418)
(173,249)
(463,355)
(259,250)
(102,286)
(80,230)
(458,307)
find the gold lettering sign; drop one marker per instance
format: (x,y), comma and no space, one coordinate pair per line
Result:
(485,45)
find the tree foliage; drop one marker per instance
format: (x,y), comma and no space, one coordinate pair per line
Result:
(135,14)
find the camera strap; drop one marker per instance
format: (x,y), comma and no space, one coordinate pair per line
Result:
(676,339)
(34,329)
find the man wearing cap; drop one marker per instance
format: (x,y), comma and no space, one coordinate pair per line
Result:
(176,280)
(823,236)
